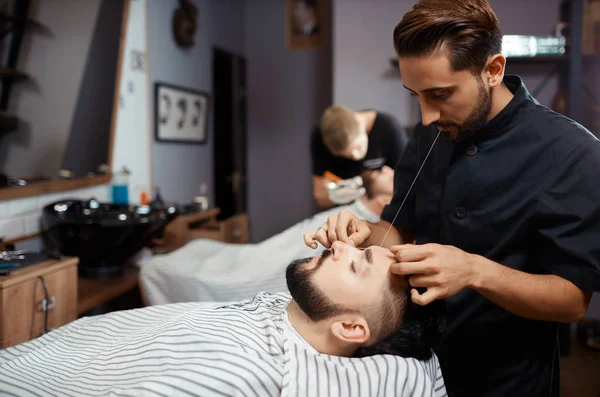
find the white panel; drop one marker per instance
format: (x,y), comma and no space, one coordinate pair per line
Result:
(32,223)
(51,198)
(132,135)
(4,208)
(100,193)
(11,228)
(24,205)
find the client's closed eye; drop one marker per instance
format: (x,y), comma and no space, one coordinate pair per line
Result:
(352,267)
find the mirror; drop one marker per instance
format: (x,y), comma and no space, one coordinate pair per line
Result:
(60,69)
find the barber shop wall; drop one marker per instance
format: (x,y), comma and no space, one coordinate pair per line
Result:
(179,169)
(287,91)
(363,47)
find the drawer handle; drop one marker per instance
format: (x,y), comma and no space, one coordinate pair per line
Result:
(48,304)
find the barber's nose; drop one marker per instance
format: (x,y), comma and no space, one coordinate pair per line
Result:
(429,115)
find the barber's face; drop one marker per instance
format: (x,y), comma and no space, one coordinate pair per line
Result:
(357,150)
(457,103)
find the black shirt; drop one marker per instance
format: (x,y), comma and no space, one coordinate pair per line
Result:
(386,143)
(523,192)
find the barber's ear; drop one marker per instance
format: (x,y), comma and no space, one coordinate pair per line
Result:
(352,330)
(495,70)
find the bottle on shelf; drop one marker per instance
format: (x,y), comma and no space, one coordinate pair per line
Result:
(120,187)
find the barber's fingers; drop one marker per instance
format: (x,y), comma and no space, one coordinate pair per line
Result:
(360,232)
(409,268)
(309,240)
(411,252)
(331,228)
(321,236)
(422,281)
(344,220)
(427,297)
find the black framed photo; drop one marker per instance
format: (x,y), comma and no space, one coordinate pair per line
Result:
(180,114)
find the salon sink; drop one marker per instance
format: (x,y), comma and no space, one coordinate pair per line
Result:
(103,236)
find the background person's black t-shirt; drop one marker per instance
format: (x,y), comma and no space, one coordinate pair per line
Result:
(386,144)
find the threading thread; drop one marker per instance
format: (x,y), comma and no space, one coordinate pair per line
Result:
(410,188)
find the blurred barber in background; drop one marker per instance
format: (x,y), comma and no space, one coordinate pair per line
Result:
(349,146)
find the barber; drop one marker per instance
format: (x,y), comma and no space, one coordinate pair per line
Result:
(348,146)
(504,217)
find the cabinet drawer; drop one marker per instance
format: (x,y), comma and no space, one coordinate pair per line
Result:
(22,317)
(235,229)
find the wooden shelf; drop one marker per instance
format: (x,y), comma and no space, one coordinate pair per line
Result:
(92,292)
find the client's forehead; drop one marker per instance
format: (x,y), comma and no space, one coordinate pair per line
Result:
(380,252)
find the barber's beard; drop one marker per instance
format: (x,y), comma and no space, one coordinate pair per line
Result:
(476,120)
(306,294)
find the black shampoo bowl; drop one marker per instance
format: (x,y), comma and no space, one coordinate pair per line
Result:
(102,236)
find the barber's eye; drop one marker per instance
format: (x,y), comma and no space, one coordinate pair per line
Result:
(441,97)
(352,267)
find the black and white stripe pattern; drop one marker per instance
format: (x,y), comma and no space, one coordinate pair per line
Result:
(309,374)
(200,349)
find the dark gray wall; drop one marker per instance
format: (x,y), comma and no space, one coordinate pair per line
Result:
(47,102)
(287,91)
(89,137)
(179,169)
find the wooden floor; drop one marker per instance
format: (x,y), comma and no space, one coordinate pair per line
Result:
(580,373)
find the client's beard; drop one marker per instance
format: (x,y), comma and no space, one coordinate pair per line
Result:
(306,294)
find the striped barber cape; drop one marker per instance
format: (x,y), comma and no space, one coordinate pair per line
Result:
(201,349)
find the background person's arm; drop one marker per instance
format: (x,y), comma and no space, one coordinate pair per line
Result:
(320,192)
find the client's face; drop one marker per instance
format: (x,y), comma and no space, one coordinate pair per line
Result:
(357,281)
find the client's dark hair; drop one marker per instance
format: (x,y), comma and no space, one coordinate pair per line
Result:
(420,334)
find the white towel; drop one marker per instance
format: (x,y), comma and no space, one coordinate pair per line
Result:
(200,349)
(207,270)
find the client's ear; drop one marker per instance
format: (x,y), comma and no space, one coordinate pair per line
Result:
(353,330)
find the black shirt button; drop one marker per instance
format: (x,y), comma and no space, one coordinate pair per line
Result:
(460,212)
(471,150)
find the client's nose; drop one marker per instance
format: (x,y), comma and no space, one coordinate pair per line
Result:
(339,248)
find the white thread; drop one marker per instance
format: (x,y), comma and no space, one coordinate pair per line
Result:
(410,188)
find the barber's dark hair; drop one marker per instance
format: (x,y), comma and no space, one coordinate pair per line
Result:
(469,29)
(421,333)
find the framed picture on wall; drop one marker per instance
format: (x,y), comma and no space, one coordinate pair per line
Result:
(180,114)
(306,24)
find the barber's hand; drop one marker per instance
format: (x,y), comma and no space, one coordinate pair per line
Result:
(443,269)
(344,227)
